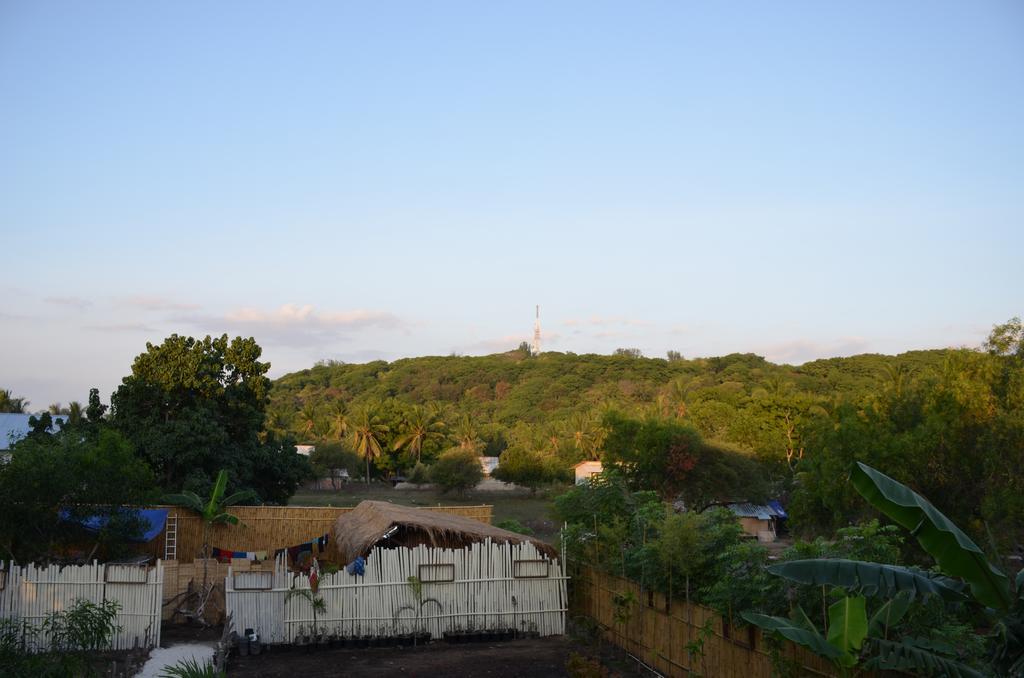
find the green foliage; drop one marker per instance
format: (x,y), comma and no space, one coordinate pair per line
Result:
(81,628)
(457,470)
(329,457)
(956,555)
(513,525)
(11,404)
(671,457)
(420,474)
(873,579)
(953,431)
(193,406)
(954,551)
(192,668)
(80,472)
(527,468)
(796,632)
(848,626)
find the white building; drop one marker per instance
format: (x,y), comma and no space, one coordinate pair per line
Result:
(585,469)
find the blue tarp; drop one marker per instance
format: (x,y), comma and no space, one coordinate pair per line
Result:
(153,521)
(778,509)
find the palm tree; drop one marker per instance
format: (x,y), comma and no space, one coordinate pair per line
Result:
(309,415)
(75,412)
(338,412)
(10,404)
(366,432)
(212,511)
(677,394)
(277,420)
(466,433)
(421,425)
(587,435)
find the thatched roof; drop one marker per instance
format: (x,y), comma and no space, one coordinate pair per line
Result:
(374,523)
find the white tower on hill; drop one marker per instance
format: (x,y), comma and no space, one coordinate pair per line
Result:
(535,348)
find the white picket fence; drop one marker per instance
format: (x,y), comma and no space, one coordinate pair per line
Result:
(32,593)
(481,587)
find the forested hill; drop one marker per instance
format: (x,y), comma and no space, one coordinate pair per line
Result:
(514,387)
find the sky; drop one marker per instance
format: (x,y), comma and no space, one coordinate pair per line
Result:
(359,181)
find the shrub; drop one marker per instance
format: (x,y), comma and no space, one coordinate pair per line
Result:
(420,474)
(457,470)
(513,525)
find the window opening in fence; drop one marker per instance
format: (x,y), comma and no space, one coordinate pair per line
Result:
(253,581)
(530,569)
(126,574)
(437,572)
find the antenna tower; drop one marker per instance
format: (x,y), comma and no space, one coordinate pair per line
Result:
(535,348)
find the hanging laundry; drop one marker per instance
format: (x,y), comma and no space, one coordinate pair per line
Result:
(357,567)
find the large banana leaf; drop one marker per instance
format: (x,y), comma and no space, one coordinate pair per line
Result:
(953,550)
(903,656)
(812,640)
(889,614)
(871,579)
(847,627)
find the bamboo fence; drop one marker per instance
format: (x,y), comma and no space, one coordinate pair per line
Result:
(484,586)
(657,631)
(268,528)
(32,593)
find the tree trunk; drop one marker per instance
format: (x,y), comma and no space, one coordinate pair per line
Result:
(367,469)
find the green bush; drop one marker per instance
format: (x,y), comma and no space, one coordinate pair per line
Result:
(513,525)
(420,474)
(81,628)
(457,470)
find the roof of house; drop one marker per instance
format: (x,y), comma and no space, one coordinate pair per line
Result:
(588,461)
(14,427)
(759,511)
(374,523)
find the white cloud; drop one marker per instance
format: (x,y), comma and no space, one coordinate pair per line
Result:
(152,303)
(121,327)
(802,350)
(306,316)
(294,324)
(606,321)
(77,303)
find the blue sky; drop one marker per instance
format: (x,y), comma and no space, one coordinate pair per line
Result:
(355,181)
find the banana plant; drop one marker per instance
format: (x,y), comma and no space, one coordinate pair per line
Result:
(967,576)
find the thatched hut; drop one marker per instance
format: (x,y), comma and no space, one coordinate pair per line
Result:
(384,525)
(413,571)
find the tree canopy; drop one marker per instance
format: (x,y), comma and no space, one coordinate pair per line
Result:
(193,406)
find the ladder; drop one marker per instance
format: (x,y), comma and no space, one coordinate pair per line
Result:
(171,537)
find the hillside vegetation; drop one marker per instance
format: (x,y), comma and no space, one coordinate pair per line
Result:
(947,421)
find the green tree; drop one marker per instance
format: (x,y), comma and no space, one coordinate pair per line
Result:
(194,406)
(54,481)
(457,469)
(587,435)
(420,426)
(11,404)
(212,511)
(671,458)
(467,433)
(367,431)
(331,457)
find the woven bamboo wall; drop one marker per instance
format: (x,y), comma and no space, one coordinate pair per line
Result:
(658,634)
(267,528)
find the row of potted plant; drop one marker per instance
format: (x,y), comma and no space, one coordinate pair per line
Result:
(472,635)
(321,638)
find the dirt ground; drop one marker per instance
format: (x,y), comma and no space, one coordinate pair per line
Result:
(538,658)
